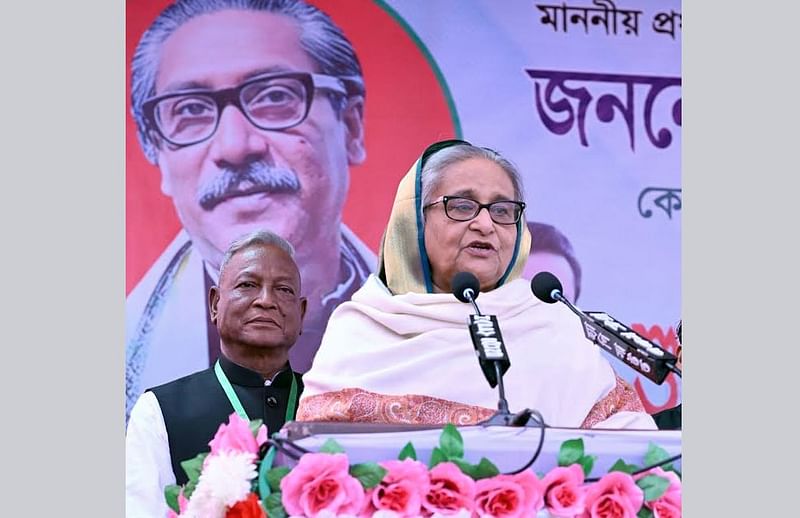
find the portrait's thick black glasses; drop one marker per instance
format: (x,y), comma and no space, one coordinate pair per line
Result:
(270,102)
(504,212)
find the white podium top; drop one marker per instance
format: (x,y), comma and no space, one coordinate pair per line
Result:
(509,448)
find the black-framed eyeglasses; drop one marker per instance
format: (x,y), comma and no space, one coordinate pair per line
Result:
(270,102)
(504,212)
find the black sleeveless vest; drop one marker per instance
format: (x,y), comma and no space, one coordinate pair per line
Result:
(194,406)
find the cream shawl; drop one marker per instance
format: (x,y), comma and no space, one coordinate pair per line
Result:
(418,344)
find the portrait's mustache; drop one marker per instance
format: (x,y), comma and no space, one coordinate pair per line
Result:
(252,178)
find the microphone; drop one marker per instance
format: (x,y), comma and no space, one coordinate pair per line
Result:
(492,355)
(486,336)
(636,351)
(465,286)
(546,287)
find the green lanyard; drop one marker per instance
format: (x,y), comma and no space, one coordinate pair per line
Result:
(237,405)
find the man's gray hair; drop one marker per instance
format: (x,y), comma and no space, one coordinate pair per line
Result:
(320,38)
(438,163)
(257,237)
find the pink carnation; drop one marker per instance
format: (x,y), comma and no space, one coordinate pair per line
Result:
(563,491)
(509,496)
(615,495)
(236,436)
(321,484)
(450,490)
(672,495)
(401,490)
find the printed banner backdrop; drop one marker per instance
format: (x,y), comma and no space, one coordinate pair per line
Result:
(584,97)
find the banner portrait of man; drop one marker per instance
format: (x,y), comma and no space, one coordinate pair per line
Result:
(254,113)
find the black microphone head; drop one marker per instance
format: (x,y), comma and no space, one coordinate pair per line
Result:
(465,283)
(544,284)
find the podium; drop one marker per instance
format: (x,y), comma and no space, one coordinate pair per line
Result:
(509,448)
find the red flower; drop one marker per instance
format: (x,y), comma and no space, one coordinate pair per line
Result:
(248,508)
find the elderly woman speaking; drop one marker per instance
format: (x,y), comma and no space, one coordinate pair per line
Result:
(400,350)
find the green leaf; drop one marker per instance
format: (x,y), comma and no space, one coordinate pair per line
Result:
(620,465)
(570,452)
(451,442)
(369,474)
(188,489)
(485,469)
(193,467)
(331,446)
(274,477)
(656,454)
(645,512)
(274,506)
(408,452)
(437,456)
(653,486)
(254,425)
(587,463)
(171,493)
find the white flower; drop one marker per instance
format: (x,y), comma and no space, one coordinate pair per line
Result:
(202,504)
(225,479)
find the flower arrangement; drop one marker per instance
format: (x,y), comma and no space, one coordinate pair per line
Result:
(235,479)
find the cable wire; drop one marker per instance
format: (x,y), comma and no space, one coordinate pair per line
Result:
(540,420)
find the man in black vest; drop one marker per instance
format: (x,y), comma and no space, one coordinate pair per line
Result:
(258,311)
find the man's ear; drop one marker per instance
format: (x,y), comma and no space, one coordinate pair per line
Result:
(151,145)
(303,304)
(213,300)
(353,118)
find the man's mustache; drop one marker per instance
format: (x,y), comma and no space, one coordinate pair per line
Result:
(253,178)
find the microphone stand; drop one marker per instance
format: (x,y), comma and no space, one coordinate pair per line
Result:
(502,417)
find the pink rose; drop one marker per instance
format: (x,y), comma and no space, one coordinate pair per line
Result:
(663,509)
(401,490)
(236,436)
(321,483)
(615,495)
(509,496)
(450,490)
(672,495)
(563,494)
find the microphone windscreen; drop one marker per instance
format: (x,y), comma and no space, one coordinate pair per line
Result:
(463,281)
(543,284)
